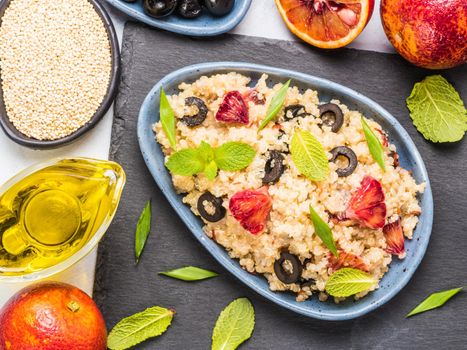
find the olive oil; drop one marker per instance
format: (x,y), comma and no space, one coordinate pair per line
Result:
(49,214)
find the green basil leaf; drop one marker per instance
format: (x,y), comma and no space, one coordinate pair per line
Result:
(347,281)
(143,227)
(234,325)
(309,156)
(323,231)
(167,117)
(137,328)
(186,162)
(434,301)
(189,273)
(374,145)
(437,110)
(276,104)
(233,156)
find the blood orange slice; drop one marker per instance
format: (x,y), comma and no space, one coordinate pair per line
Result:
(325,23)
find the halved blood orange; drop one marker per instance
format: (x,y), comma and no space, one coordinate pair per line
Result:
(327,24)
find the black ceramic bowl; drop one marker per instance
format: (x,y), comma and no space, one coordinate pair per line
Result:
(24,140)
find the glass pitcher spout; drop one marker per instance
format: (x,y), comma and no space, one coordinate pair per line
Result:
(52,210)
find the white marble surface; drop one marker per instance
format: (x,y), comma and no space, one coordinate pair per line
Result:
(262,20)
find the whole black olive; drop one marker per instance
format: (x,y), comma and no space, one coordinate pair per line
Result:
(288,274)
(294,111)
(274,167)
(332,116)
(346,152)
(189,8)
(219,7)
(195,120)
(217,210)
(159,8)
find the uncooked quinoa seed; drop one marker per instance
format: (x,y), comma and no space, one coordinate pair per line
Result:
(55,65)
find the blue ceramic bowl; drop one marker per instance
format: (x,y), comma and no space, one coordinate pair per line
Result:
(204,25)
(399,273)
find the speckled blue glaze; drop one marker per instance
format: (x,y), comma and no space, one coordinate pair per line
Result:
(205,25)
(400,272)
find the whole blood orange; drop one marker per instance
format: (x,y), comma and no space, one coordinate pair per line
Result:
(429,33)
(52,316)
(326,23)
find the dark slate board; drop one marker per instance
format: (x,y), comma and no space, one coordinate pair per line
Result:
(123,288)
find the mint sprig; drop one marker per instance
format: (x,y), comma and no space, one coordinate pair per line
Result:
(309,156)
(137,328)
(323,231)
(374,144)
(276,104)
(437,110)
(434,301)
(234,325)
(231,156)
(167,118)
(348,281)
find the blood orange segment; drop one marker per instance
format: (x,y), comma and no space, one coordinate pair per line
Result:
(325,23)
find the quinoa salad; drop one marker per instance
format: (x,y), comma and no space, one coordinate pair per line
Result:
(261,213)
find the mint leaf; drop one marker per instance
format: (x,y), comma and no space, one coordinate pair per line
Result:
(437,110)
(233,156)
(434,301)
(323,231)
(309,156)
(234,325)
(167,118)
(191,161)
(210,170)
(186,162)
(143,227)
(374,145)
(189,273)
(206,152)
(276,104)
(137,328)
(347,281)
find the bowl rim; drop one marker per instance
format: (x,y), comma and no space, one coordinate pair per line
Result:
(180,28)
(197,70)
(109,97)
(85,249)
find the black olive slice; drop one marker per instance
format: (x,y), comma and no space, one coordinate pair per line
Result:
(332,116)
(195,120)
(215,202)
(346,152)
(274,167)
(290,274)
(294,111)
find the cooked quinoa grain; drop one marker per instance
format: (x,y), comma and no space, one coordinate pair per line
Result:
(288,226)
(55,65)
